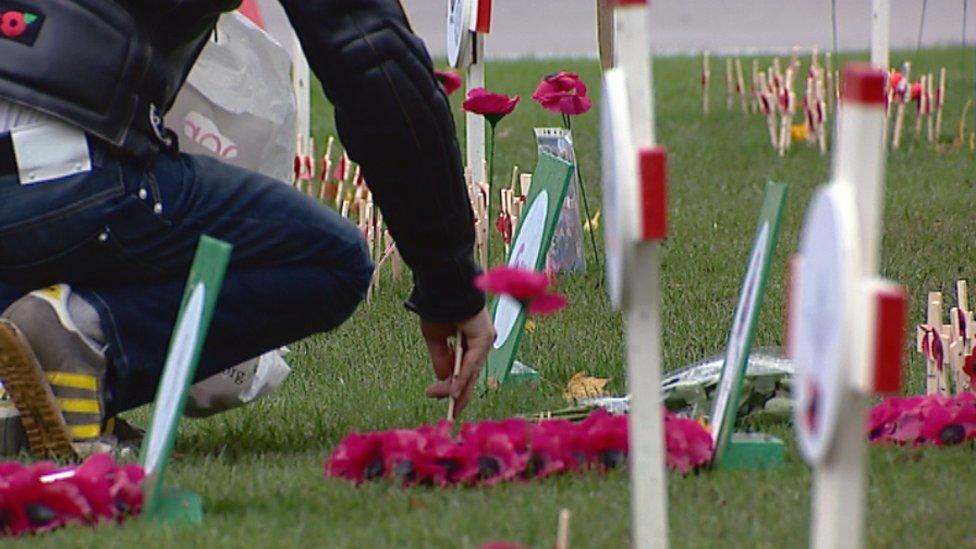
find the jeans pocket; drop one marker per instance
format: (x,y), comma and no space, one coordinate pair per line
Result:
(50,219)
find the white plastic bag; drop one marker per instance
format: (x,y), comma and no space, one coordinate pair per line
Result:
(238,103)
(237,386)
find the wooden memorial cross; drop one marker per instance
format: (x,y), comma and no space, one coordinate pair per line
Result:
(847,326)
(947,348)
(467,23)
(706,78)
(635,221)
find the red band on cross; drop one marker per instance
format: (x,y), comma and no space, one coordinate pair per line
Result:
(653,164)
(483,22)
(863,84)
(891,315)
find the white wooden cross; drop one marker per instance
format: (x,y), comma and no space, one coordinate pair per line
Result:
(467,23)
(847,324)
(635,223)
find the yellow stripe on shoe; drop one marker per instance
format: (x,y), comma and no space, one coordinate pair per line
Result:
(73,381)
(79,406)
(88,431)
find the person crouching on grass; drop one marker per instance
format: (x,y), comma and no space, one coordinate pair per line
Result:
(100,213)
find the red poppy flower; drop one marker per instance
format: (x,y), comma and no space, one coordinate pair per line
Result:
(895,80)
(504,226)
(358,457)
(127,490)
(547,304)
(563,93)
(94,480)
(500,449)
(606,439)
(969,368)
(449,79)
(935,418)
(688,444)
(493,106)
(13,24)
(519,284)
(883,418)
(932,346)
(523,285)
(554,448)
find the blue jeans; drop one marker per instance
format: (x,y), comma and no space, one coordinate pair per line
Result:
(298,268)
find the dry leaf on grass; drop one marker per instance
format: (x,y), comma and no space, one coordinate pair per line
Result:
(582,386)
(530,326)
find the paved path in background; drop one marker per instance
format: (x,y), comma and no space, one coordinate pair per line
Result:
(548,28)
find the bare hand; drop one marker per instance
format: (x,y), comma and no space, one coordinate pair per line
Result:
(478,335)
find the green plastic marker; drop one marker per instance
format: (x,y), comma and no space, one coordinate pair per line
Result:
(192,323)
(742,335)
(529,249)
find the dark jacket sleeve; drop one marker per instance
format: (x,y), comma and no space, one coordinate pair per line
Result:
(394,119)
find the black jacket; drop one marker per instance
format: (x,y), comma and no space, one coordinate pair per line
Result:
(114,66)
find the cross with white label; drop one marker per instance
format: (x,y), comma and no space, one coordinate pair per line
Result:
(847,325)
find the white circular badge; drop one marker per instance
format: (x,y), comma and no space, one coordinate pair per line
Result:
(825,274)
(620,191)
(525,255)
(169,396)
(459,34)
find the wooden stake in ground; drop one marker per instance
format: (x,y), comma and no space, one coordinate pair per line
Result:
(756,87)
(903,94)
(821,113)
(768,106)
(706,78)
(920,104)
(940,102)
(740,86)
(787,107)
(562,532)
(326,186)
(964,320)
(729,83)
(340,176)
(929,96)
(458,356)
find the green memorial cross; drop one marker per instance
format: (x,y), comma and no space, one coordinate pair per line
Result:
(529,249)
(199,300)
(743,333)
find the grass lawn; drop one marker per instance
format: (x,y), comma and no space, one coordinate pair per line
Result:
(259,469)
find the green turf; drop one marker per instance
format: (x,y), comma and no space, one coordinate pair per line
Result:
(259,470)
